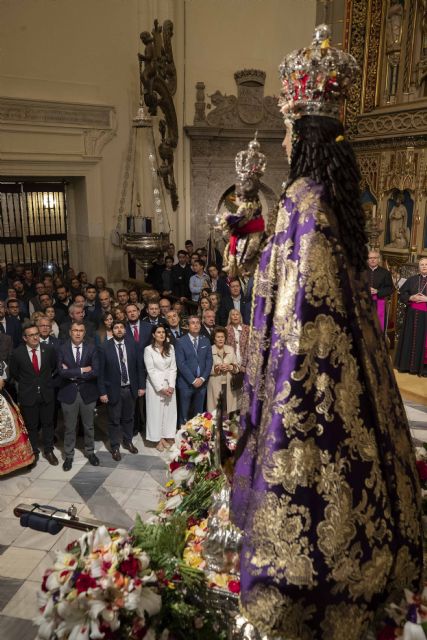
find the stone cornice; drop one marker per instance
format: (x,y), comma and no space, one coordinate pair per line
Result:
(392,123)
(213,133)
(54,113)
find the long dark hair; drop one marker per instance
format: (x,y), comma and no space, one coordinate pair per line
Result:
(166,344)
(320,152)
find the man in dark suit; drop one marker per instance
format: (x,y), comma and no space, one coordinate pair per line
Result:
(63,299)
(78,369)
(153,314)
(119,384)
(44,326)
(32,366)
(193,354)
(235,300)
(141,333)
(208,324)
(15,311)
(174,330)
(181,274)
(76,314)
(10,326)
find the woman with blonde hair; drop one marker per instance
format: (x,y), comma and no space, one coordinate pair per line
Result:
(223,368)
(237,337)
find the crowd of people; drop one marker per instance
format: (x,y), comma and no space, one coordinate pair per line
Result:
(153,356)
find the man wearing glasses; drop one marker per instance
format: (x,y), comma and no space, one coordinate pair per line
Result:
(32,366)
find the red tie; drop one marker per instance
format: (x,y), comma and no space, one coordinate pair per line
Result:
(136,332)
(35,361)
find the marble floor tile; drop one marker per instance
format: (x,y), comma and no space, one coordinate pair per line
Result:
(106,509)
(13,485)
(31,539)
(124,478)
(10,529)
(57,473)
(8,588)
(4,502)
(45,563)
(69,494)
(17,629)
(143,501)
(416,415)
(121,494)
(16,562)
(24,603)
(43,489)
(148,483)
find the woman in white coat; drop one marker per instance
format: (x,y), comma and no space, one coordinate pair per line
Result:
(159,358)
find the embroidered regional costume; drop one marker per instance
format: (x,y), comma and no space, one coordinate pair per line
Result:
(325,486)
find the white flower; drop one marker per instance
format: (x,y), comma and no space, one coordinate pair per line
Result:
(52,582)
(413,631)
(80,632)
(150,601)
(132,599)
(95,631)
(144,559)
(96,607)
(46,628)
(173,502)
(181,474)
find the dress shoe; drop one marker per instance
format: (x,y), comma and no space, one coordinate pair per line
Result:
(34,462)
(130,447)
(116,455)
(67,464)
(51,458)
(93,460)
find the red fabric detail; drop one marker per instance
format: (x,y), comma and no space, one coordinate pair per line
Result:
(35,361)
(253,226)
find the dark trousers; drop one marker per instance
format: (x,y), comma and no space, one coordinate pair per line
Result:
(190,396)
(39,414)
(120,418)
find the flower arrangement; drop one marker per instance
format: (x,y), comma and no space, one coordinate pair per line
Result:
(102,586)
(146,584)
(408,621)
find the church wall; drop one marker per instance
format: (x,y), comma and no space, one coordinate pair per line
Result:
(85,51)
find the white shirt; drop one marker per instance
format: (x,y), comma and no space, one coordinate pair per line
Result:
(236,302)
(74,349)
(38,354)
(3,322)
(125,358)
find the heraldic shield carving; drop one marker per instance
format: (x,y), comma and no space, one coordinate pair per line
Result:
(249,108)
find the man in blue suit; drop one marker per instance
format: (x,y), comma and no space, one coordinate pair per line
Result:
(78,369)
(193,353)
(120,382)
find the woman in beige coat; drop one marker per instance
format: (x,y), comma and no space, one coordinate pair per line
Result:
(224,366)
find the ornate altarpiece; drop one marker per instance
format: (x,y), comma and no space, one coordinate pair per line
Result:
(387,119)
(217,136)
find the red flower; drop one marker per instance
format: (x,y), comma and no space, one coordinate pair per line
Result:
(207,415)
(234,586)
(387,633)
(85,582)
(174,465)
(422,470)
(130,567)
(45,577)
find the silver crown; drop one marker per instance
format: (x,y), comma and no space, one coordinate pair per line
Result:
(251,162)
(316,79)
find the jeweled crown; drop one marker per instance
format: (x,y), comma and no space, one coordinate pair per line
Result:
(250,162)
(316,79)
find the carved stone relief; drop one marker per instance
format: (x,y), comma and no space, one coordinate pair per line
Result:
(216,138)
